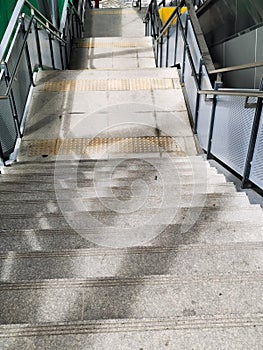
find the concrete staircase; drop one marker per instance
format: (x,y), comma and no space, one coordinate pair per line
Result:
(115,233)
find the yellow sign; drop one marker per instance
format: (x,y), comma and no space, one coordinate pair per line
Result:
(165,13)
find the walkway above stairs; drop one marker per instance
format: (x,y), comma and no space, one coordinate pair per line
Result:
(116,233)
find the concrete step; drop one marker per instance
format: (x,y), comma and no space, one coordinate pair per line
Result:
(106,183)
(172,235)
(220,200)
(67,300)
(181,261)
(129,218)
(137,163)
(107,173)
(107,74)
(172,192)
(235,331)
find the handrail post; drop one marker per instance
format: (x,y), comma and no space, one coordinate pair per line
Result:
(2,155)
(161,51)
(40,62)
(217,85)
(167,47)
(176,41)
(51,51)
(198,95)
(185,48)
(252,141)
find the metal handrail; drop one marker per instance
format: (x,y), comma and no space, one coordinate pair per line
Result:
(52,32)
(170,20)
(231,92)
(46,25)
(222,92)
(236,68)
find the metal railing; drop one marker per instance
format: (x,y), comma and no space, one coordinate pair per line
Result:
(32,43)
(228,122)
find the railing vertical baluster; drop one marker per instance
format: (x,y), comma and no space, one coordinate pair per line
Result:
(212,121)
(61,56)
(167,47)
(2,154)
(161,50)
(51,51)
(200,75)
(185,49)
(253,138)
(176,41)
(40,63)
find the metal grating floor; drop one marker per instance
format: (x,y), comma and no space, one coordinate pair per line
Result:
(82,146)
(108,85)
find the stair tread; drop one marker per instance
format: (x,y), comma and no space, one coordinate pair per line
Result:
(181,261)
(140,297)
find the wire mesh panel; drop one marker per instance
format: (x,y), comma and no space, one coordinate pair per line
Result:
(22,80)
(8,132)
(204,111)
(256,174)
(232,130)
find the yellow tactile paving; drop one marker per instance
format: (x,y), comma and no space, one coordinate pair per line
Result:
(111,12)
(82,146)
(111,44)
(108,85)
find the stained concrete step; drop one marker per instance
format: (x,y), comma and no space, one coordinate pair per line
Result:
(118,173)
(101,171)
(171,192)
(172,235)
(68,162)
(105,183)
(235,331)
(221,200)
(184,260)
(129,218)
(130,297)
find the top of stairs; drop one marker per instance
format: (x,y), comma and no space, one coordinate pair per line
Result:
(115,233)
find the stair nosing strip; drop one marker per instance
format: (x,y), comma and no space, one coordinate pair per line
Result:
(132,251)
(128,281)
(133,325)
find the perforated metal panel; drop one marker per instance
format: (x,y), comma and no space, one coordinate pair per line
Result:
(22,82)
(8,133)
(256,174)
(232,130)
